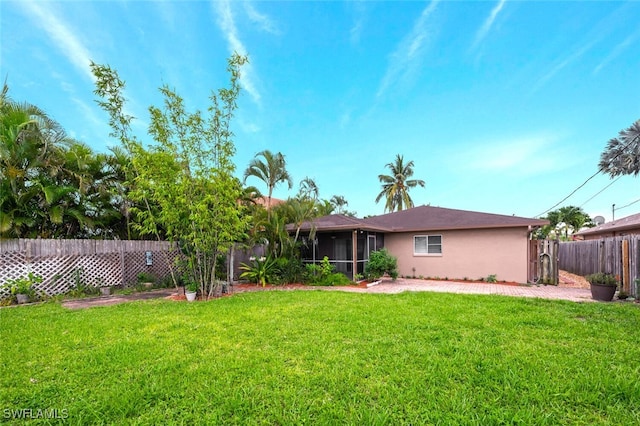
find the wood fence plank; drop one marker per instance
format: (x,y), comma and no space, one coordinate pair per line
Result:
(64,263)
(604,255)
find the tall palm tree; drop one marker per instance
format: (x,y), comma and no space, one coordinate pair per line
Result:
(272,171)
(308,189)
(622,154)
(339,203)
(395,187)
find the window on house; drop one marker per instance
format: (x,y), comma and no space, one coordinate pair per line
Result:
(427,244)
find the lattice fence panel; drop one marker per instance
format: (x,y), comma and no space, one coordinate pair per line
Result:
(63,264)
(59,273)
(101,270)
(136,263)
(13,265)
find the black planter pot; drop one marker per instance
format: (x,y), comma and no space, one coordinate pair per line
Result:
(602,292)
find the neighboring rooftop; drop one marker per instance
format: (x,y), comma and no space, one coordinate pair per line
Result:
(623,224)
(263,200)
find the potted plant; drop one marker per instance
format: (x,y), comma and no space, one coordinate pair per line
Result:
(22,288)
(191,289)
(603,286)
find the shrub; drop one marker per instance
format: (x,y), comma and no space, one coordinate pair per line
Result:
(493,278)
(260,271)
(381,262)
(323,274)
(23,285)
(602,278)
(145,277)
(288,270)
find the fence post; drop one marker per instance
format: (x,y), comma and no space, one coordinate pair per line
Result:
(626,284)
(601,256)
(554,262)
(122,265)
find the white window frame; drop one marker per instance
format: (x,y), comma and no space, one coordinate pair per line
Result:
(416,253)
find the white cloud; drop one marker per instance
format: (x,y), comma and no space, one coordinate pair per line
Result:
(261,20)
(524,156)
(488,23)
(168,14)
(248,126)
(403,61)
(345,119)
(356,30)
(228,27)
(560,64)
(621,47)
(60,34)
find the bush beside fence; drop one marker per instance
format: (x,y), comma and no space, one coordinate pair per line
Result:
(63,264)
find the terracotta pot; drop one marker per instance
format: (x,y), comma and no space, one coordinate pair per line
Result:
(602,292)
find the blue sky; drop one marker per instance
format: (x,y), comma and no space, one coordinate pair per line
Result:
(504,106)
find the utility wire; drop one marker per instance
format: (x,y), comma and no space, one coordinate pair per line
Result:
(572,192)
(590,177)
(630,204)
(599,192)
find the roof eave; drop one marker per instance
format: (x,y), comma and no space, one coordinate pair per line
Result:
(468,227)
(611,229)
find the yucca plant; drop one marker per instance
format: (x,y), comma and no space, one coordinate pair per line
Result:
(260,271)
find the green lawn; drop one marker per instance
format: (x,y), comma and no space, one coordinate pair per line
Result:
(318,357)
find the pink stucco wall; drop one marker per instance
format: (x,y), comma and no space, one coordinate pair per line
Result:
(466,254)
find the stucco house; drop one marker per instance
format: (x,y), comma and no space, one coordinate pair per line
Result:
(629,225)
(428,241)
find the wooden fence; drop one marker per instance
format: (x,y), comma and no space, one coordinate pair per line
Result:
(63,264)
(615,255)
(543,262)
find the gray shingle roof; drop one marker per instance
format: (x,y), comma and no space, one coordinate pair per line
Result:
(423,218)
(336,222)
(625,223)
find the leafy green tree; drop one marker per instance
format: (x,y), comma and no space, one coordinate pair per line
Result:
(272,170)
(50,185)
(622,154)
(564,221)
(187,173)
(395,187)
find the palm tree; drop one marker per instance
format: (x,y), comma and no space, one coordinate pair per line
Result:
(339,203)
(622,154)
(51,186)
(395,187)
(570,216)
(28,157)
(271,171)
(308,189)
